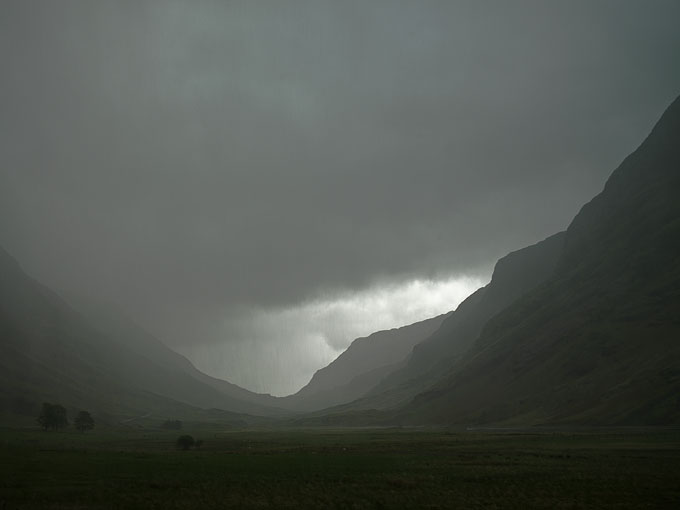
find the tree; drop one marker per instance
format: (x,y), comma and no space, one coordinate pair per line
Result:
(185,442)
(84,421)
(52,416)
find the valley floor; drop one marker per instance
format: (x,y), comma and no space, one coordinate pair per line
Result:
(369,468)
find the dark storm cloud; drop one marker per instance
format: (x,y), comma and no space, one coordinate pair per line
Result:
(189,160)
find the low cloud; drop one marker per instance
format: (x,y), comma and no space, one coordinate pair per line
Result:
(278,350)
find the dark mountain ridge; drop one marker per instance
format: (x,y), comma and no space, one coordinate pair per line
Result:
(598,343)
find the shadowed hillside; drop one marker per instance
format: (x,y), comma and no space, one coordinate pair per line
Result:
(514,275)
(599,342)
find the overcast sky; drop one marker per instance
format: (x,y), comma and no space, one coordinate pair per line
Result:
(257,183)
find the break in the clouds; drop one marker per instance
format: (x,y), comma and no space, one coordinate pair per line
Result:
(278,350)
(193,162)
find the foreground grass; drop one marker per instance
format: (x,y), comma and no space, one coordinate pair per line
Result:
(127,468)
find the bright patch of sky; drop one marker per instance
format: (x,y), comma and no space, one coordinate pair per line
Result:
(277,351)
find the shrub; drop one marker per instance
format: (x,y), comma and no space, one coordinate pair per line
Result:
(84,421)
(185,442)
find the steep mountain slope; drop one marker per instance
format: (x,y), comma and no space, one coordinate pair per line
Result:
(513,275)
(359,368)
(50,352)
(599,342)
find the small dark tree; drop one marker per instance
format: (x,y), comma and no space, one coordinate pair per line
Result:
(84,421)
(198,444)
(185,442)
(52,417)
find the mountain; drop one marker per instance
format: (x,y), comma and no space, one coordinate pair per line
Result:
(599,342)
(49,352)
(361,366)
(514,275)
(430,359)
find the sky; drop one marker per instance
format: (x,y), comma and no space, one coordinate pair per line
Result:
(259,183)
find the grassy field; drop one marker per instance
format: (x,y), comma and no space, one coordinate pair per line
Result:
(353,469)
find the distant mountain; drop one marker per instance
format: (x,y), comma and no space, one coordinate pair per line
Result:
(361,366)
(599,342)
(49,352)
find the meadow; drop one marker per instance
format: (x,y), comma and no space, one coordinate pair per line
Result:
(345,469)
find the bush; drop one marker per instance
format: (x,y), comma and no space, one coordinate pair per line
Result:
(84,421)
(185,442)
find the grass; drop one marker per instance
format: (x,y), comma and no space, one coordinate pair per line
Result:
(353,469)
